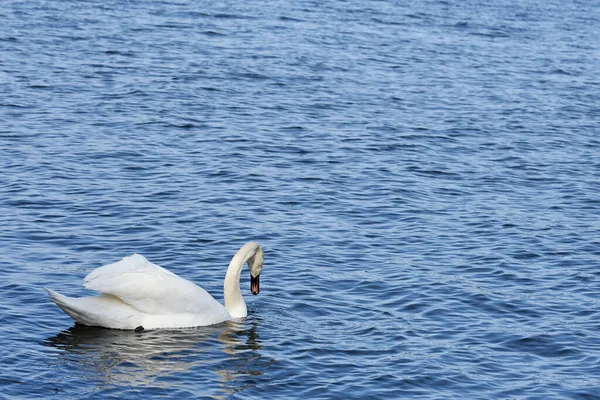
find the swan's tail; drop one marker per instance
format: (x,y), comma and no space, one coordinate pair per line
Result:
(70,307)
(104,310)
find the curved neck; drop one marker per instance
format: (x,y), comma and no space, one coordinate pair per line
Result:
(234,302)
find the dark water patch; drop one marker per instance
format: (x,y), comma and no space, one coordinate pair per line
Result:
(231,16)
(120,53)
(540,345)
(290,19)
(213,33)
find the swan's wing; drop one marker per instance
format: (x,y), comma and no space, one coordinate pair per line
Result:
(151,289)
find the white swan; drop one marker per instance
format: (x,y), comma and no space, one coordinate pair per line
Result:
(137,294)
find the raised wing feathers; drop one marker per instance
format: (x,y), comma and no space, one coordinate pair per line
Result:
(149,288)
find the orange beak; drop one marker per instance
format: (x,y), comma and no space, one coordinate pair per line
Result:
(255,284)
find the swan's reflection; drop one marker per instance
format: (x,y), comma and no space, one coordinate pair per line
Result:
(163,358)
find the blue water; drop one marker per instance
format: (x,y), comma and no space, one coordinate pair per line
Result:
(423,177)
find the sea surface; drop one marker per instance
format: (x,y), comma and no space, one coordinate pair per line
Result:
(424,178)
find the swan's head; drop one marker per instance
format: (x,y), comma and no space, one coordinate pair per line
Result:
(255,264)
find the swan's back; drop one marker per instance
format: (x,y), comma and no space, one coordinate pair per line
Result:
(156,291)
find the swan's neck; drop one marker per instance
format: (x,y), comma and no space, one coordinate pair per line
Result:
(234,302)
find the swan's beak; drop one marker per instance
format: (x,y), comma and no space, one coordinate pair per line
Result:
(255,284)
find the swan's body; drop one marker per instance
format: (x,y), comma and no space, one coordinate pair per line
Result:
(136,293)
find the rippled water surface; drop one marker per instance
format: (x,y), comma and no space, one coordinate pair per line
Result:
(423,178)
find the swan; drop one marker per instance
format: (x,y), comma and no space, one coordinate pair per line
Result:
(138,295)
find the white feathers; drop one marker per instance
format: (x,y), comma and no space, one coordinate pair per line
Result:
(149,288)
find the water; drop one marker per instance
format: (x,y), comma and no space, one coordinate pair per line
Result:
(423,178)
